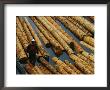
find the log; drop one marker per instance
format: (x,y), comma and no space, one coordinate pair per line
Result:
(72,66)
(87,55)
(87,45)
(36,68)
(79,26)
(20,51)
(51,28)
(78,32)
(26,29)
(84,22)
(29,68)
(91,63)
(60,69)
(21,28)
(81,64)
(44,69)
(44,31)
(43,38)
(48,65)
(22,38)
(63,65)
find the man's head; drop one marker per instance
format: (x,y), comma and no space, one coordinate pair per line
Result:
(33,41)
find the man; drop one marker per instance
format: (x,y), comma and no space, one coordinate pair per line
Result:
(32,49)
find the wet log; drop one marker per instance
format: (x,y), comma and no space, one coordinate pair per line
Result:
(51,28)
(36,68)
(20,51)
(87,55)
(87,45)
(60,69)
(91,63)
(79,26)
(29,68)
(26,29)
(48,65)
(84,22)
(81,64)
(18,23)
(72,66)
(78,32)
(44,31)
(63,65)
(22,38)
(44,69)
(42,37)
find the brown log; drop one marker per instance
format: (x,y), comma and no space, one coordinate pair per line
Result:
(44,31)
(51,28)
(26,29)
(87,45)
(72,66)
(79,26)
(63,65)
(22,38)
(82,65)
(84,22)
(36,68)
(21,28)
(45,41)
(20,51)
(44,69)
(48,65)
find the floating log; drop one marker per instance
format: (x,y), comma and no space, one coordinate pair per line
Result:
(29,68)
(45,41)
(91,63)
(36,68)
(26,29)
(72,67)
(44,69)
(81,64)
(51,28)
(78,32)
(87,45)
(84,22)
(63,65)
(60,69)
(21,28)
(22,38)
(87,55)
(44,31)
(79,26)
(48,65)
(57,29)
(20,51)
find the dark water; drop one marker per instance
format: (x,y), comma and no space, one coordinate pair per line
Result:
(62,57)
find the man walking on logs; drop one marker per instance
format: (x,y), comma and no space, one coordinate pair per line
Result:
(32,49)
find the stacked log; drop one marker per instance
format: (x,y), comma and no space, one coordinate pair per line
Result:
(51,29)
(63,65)
(78,32)
(26,29)
(72,66)
(21,28)
(55,45)
(87,45)
(20,51)
(44,69)
(22,38)
(79,26)
(48,65)
(84,22)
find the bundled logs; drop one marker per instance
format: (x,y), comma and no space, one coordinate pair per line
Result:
(50,30)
